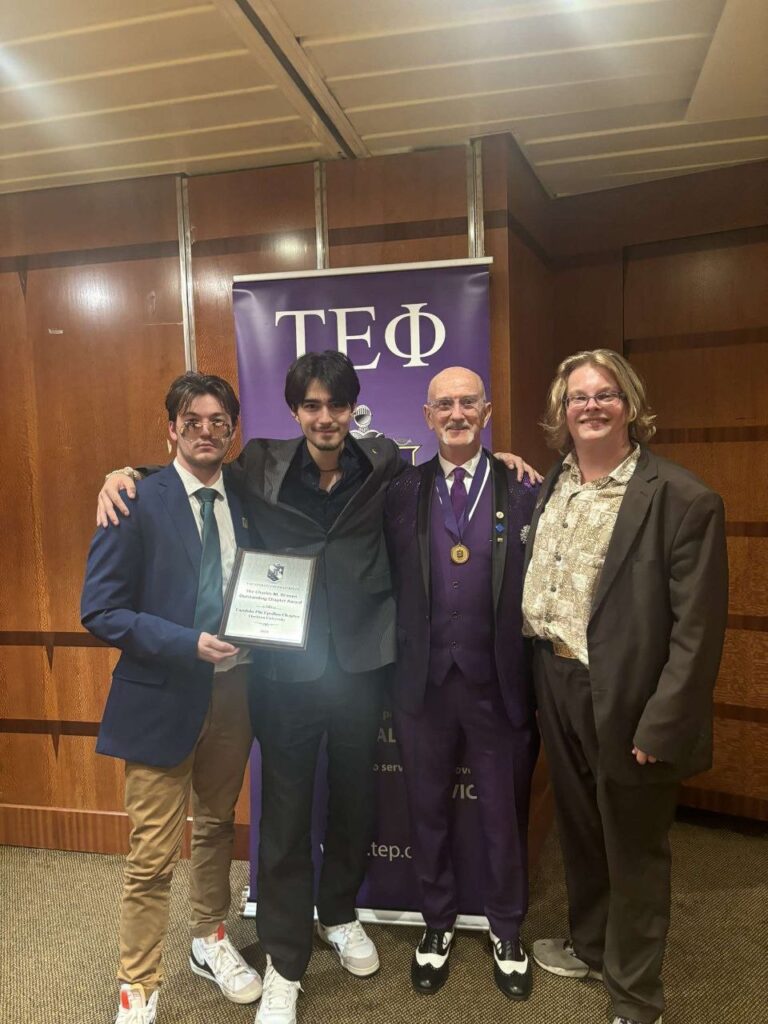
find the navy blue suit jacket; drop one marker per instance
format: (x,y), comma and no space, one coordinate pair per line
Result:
(139,595)
(406,519)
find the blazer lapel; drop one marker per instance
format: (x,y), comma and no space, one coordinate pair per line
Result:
(423,514)
(634,508)
(500,504)
(175,497)
(544,495)
(239,520)
(276,465)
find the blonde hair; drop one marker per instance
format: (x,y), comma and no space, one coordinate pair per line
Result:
(639,413)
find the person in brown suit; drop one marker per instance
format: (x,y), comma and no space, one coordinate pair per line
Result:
(625,595)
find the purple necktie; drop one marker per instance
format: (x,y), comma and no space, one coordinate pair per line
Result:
(458,493)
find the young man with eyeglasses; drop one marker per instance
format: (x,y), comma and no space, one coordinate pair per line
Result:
(321,493)
(177,711)
(626,595)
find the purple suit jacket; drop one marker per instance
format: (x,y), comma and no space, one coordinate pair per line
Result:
(406,518)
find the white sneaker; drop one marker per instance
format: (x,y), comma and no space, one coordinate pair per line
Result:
(134,1007)
(278,998)
(356,951)
(221,963)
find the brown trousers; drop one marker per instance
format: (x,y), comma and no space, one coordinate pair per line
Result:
(615,844)
(157,800)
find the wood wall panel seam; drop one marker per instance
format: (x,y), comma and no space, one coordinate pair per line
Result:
(724,803)
(399,231)
(752,623)
(740,713)
(700,339)
(53,727)
(734,529)
(695,243)
(230,245)
(710,435)
(88,257)
(38,638)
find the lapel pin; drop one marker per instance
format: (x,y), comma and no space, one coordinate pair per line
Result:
(499,515)
(499,528)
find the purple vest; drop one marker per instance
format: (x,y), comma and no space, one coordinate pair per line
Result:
(461,621)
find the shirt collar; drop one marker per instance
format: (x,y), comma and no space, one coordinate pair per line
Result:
(470,467)
(621,474)
(192,484)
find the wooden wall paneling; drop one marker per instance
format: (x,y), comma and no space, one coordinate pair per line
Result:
(249,222)
(743,679)
(589,305)
(397,209)
(497,246)
(83,217)
(23,603)
(92,300)
(693,204)
(81,677)
(106,341)
(56,828)
(735,469)
(515,192)
(712,386)
(700,285)
(532,356)
(26,686)
(740,760)
(696,327)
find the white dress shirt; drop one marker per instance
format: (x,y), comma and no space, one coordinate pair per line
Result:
(226,538)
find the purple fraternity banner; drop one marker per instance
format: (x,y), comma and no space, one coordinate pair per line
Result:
(400,325)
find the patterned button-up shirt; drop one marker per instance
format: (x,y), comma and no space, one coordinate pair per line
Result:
(572,538)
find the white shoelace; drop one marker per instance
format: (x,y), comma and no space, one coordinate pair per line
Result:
(349,935)
(278,993)
(225,961)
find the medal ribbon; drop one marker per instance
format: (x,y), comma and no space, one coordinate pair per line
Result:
(449,516)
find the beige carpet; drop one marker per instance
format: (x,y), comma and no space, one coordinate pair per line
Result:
(57,948)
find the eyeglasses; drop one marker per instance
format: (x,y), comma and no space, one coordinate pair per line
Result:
(217,427)
(601,398)
(467,403)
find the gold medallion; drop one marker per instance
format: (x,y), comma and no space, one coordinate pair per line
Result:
(459,554)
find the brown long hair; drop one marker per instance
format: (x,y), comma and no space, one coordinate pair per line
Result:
(639,413)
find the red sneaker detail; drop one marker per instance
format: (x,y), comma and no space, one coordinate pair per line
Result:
(220,932)
(124,1000)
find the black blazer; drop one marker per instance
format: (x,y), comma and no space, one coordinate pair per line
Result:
(352,601)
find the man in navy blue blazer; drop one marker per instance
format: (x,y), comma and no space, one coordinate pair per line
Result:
(177,710)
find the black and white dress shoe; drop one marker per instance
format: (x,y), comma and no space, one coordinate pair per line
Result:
(512,970)
(429,967)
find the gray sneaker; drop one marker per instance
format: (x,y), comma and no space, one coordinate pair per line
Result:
(557,957)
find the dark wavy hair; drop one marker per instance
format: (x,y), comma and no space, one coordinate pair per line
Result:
(332,369)
(189,386)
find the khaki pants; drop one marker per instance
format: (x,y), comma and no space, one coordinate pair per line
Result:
(156,800)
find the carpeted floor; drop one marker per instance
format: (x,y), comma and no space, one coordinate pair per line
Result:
(57,948)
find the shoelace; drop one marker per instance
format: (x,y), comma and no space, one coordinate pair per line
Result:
(279,993)
(352,934)
(225,961)
(434,942)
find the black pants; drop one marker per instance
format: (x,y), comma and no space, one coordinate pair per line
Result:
(615,845)
(293,717)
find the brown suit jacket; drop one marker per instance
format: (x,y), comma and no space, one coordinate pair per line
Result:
(657,624)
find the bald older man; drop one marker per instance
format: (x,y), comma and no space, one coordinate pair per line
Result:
(456,529)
